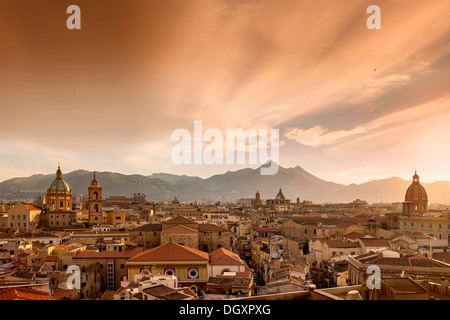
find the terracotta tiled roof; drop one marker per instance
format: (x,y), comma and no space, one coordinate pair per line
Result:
(368,242)
(127,253)
(225,283)
(354,235)
(148,227)
(63,293)
(170,252)
(30,207)
(341,244)
(404,285)
(223,256)
(179,229)
(23,294)
(178,220)
(344,225)
(205,227)
(267,229)
(442,256)
(411,261)
(165,293)
(51,258)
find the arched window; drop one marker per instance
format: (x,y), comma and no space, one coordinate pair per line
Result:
(225,270)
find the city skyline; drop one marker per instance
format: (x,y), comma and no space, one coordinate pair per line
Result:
(351,104)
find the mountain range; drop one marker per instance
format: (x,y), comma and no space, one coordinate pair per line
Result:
(295,182)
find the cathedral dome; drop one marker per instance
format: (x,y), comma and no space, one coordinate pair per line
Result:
(280,195)
(416,191)
(59,184)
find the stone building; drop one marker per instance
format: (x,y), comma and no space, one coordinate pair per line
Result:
(147,235)
(181,234)
(212,237)
(112,267)
(23,217)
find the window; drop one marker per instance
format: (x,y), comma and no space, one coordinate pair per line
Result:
(25,218)
(122,266)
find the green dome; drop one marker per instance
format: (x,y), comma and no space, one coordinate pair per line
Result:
(59,184)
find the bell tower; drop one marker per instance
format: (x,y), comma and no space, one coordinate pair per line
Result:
(95,203)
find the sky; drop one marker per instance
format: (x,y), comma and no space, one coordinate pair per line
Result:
(350,104)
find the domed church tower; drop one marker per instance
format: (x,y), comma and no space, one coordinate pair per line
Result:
(59,195)
(416,199)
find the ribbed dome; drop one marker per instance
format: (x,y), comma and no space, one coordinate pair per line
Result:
(280,195)
(59,184)
(416,191)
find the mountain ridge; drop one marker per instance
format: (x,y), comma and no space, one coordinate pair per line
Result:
(232,185)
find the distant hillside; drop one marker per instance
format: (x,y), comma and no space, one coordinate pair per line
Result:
(295,182)
(176,180)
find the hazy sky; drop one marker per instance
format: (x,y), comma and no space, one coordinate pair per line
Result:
(351,104)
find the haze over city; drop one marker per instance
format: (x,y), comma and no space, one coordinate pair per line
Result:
(351,104)
(233,152)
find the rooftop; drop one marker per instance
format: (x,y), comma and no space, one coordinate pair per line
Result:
(126,254)
(23,294)
(170,252)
